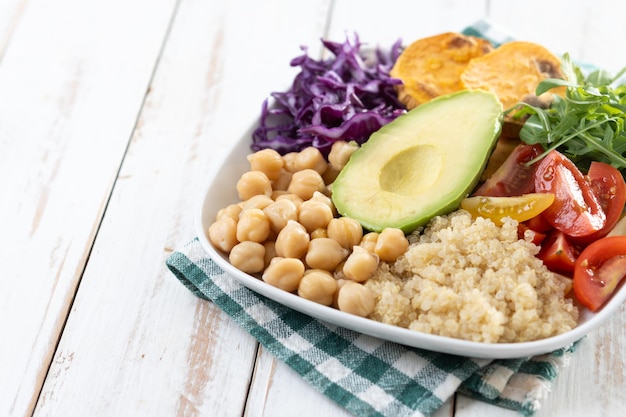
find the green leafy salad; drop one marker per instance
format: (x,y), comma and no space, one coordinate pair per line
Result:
(587,123)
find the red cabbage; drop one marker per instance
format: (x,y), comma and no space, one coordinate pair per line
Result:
(348,96)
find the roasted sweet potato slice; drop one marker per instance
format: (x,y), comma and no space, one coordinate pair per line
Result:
(512,72)
(430,67)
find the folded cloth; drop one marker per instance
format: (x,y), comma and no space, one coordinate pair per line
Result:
(366,375)
(486,29)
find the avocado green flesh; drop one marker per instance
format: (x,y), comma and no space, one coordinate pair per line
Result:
(420,165)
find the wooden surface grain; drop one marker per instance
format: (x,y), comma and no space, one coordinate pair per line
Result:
(113,117)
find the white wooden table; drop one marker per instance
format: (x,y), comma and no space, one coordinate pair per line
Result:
(112,117)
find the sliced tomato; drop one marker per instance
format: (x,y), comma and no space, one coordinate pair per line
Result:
(576,211)
(519,208)
(599,270)
(608,185)
(539,224)
(537,237)
(620,227)
(514,177)
(540,227)
(558,253)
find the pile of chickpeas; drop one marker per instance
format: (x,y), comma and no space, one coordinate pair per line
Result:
(286,230)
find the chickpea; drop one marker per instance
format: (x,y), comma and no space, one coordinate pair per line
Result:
(290,196)
(292,241)
(280,212)
(368,241)
(318,286)
(348,232)
(232,211)
(284,273)
(223,234)
(277,193)
(338,272)
(270,252)
(253,225)
(360,265)
(314,215)
(318,233)
(340,153)
(340,283)
(311,158)
(258,201)
(355,298)
(268,161)
(248,257)
(391,243)
(282,182)
(325,253)
(289,162)
(253,183)
(304,183)
(317,196)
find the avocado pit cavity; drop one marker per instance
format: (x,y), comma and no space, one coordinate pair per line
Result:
(411,171)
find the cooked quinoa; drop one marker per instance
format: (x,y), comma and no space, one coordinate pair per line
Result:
(470,279)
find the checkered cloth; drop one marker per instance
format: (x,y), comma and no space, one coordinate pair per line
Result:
(366,375)
(488,30)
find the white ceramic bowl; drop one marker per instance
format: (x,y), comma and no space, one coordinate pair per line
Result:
(222,192)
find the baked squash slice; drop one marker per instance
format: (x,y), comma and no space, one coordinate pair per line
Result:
(431,67)
(512,72)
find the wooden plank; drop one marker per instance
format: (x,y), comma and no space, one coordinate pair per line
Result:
(588,31)
(594,383)
(10,13)
(70,90)
(382,24)
(156,349)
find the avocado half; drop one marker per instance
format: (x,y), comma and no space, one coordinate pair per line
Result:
(422,164)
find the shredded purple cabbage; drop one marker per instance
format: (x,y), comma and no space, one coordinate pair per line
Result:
(347,97)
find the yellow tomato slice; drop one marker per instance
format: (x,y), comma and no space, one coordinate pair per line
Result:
(520,208)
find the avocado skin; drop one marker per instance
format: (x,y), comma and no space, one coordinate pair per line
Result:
(422,164)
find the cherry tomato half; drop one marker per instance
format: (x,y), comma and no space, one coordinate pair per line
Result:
(598,271)
(620,227)
(520,208)
(558,253)
(539,224)
(608,185)
(514,177)
(576,211)
(537,237)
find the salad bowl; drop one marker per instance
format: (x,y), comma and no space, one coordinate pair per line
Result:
(222,192)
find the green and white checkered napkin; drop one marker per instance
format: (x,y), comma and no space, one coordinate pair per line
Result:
(366,375)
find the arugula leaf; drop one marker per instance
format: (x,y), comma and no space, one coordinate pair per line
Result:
(586,124)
